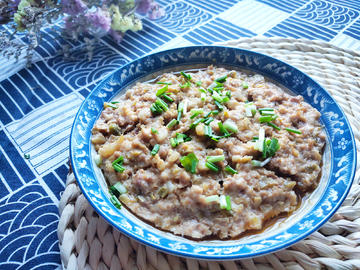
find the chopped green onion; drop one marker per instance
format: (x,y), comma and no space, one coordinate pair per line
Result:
(161,104)
(266,110)
(220,107)
(166,83)
(180,137)
(293,130)
(212,166)
(168,98)
(203,97)
(118,189)
(115,102)
(245,85)
(155,149)
(208,121)
(208,131)
(257,163)
(186,76)
(229,169)
(173,142)
(267,113)
(189,162)
(274,126)
(225,202)
(270,147)
(180,107)
(225,99)
(222,79)
(196,122)
(198,83)
(107,104)
(255,138)
(172,123)
(217,97)
(154,131)
(114,129)
(161,91)
(250,109)
(97,159)
(214,159)
(260,142)
(223,129)
(228,202)
(265,119)
(185,85)
(114,200)
(117,164)
(27,156)
(215,112)
(231,126)
(228,94)
(212,198)
(196,112)
(154,108)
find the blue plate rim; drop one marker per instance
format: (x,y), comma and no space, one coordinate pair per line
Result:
(223,256)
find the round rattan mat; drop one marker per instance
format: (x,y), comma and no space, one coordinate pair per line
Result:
(89,242)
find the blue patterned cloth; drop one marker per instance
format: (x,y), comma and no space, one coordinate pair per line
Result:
(38,104)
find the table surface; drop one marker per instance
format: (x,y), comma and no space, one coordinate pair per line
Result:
(38,104)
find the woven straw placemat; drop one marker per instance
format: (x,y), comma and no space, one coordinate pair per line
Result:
(89,242)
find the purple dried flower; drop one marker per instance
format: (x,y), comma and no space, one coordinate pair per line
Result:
(143,6)
(73,7)
(116,35)
(156,11)
(99,19)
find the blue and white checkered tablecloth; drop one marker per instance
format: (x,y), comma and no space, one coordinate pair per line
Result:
(38,104)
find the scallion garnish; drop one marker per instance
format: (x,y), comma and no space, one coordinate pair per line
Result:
(255,138)
(161,104)
(212,166)
(172,123)
(250,109)
(196,122)
(208,120)
(266,110)
(161,91)
(168,98)
(118,189)
(212,198)
(225,202)
(214,112)
(220,107)
(231,126)
(266,118)
(270,147)
(223,130)
(173,142)
(274,126)
(229,169)
(185,85)
(108,104)
(203,97)
(214,159)
(245,85)
(154,131)
(189,162)
(115,102)
(196,112)
(198,83)
(293,130)
(260,142)
(117,164)
(216,96)
(166,83)
(222,79)
(155,149)
(115,201)
(257,163)
(185,75)
(155,109)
